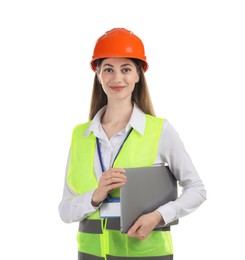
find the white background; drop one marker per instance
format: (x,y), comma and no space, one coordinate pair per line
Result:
(196,77)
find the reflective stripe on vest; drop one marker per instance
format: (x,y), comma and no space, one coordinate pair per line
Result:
(95,226)
(104,237)
(83,256)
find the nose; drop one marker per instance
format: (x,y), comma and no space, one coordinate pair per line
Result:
(118,77)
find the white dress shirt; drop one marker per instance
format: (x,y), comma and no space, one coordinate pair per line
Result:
(74,207)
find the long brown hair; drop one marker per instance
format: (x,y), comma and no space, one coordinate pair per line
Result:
(140,95)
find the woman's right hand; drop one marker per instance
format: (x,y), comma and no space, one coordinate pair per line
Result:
(111,179)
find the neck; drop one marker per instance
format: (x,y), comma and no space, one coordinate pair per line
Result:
(117,112)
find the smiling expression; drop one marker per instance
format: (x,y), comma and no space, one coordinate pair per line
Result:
(118,77)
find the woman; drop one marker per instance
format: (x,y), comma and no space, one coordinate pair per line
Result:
(121,120)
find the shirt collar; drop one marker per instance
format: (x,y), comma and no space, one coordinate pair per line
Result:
(137,121)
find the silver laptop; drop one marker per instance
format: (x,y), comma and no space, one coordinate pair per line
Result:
(146,189)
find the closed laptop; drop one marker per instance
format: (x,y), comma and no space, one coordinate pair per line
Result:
(146,189)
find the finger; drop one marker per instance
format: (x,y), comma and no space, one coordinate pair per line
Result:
(139,233)
(132,231)
(118,171)
(115,175)
(109,175)
(115,186)
(114,181)
(121,170)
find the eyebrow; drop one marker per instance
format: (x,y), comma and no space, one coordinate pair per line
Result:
(123,65)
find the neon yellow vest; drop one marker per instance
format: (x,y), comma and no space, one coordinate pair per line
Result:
(138,151)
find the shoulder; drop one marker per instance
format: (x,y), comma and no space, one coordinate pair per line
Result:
(169,132)
(166,126)
(81,128)
(155,119)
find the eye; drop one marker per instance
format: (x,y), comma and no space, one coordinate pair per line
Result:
(107,70)
(126,70)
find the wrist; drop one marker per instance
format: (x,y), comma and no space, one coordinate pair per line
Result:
(96,202)
(158,217)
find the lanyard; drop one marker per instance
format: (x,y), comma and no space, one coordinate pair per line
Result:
(99,150)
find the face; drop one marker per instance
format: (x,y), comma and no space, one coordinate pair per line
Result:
(118,77)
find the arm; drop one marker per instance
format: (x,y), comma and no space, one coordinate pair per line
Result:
(74,207)
(171,149)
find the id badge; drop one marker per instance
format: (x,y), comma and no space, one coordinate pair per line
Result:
(110,208)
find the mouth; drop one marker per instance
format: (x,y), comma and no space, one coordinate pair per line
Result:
(117,88)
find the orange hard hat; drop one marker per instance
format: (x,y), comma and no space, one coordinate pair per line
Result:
(118,43)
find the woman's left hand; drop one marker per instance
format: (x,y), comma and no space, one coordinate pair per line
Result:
(145,224)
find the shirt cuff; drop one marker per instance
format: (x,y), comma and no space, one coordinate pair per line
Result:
(168,213)
(79,208)
(89,198)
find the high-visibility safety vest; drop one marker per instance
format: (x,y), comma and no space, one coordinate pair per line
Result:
(101,238)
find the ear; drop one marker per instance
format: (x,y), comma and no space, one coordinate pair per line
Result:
(137,78)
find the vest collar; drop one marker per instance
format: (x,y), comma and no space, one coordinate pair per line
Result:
(137,121)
